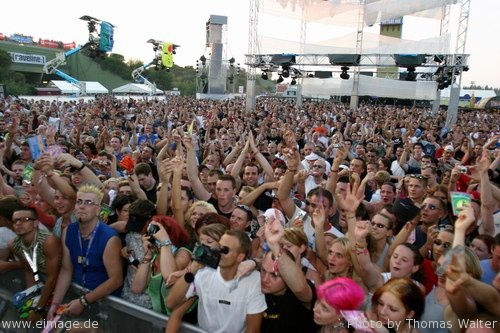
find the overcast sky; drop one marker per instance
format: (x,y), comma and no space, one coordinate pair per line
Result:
(183,22)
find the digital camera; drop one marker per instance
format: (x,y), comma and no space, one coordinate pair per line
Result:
(152,229)
(208,256)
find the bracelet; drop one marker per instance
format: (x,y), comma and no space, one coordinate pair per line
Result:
(166,242)
(83,301)
(276,262)
(331,170)
(81,167)
(294,170)
(255,261)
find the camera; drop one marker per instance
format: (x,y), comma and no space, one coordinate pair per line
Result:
(208,256)
(133,261)
(463,169)
(152,229)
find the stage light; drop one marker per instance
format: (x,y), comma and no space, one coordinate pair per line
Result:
(280,79)
(264,76)
(285,71)
(293,82)
(344,74)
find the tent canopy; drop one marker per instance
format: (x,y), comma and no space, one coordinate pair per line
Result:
(135,88)
(92,87)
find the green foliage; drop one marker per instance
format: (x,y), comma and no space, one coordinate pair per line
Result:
(15,82)
(115,63)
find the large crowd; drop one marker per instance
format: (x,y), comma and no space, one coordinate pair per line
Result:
(311,218)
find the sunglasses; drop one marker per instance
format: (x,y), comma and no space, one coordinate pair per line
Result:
(23,220)
(430,207)
(439,242)
(379,225)
(420,177)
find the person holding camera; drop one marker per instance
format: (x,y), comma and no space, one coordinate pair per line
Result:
(162,244)
(226,303)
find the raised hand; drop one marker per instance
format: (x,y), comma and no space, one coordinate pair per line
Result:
(350,202)
(465,218)
(274,231)
(292,158)
(361,231)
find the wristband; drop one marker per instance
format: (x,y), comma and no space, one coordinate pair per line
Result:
(81,167)
(331,170)
(166,242)
(255,261)
(83,301)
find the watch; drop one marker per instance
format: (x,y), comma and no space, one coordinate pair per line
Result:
(189,277)
(166,242)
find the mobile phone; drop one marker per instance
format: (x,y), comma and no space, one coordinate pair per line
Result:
(447,259)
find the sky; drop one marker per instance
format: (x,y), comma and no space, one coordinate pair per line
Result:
(183,23)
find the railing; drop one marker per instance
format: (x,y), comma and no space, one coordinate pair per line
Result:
(113,314)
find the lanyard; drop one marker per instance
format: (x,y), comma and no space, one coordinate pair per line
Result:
(84,259)
(32,261)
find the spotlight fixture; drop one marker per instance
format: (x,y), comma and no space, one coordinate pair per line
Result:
(203,60)
(293,82)
(285,71)
(344,74)
(410,75)
(280,79)
(264,76)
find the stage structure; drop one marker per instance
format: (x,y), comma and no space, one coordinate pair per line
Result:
(336,42)
(215,75)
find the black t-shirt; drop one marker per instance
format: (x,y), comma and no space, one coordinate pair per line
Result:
(286,313)
(264,201)
(151,194)
(215,203)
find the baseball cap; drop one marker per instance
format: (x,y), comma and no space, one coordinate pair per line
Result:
(312,157)
(449,148)
(273,213)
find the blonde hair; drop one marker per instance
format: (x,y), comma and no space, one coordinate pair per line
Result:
(91,188)
(346,247)
(208,206)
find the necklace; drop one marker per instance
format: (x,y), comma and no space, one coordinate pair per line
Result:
(87,236)
(334,327)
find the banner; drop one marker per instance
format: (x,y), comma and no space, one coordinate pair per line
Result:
(27,58)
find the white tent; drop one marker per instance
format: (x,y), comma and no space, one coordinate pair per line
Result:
(91,87)
(135,88)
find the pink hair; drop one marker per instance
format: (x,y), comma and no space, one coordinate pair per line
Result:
(342,294)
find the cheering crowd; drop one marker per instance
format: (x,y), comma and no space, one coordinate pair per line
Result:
(281,219)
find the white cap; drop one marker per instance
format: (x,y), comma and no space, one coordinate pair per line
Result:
(273,213)
(312,157)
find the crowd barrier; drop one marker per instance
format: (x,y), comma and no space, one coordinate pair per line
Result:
(113,314)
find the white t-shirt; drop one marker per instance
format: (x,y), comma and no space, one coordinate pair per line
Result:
(223,308)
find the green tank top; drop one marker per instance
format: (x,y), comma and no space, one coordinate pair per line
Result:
(19,246)
(158,291)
